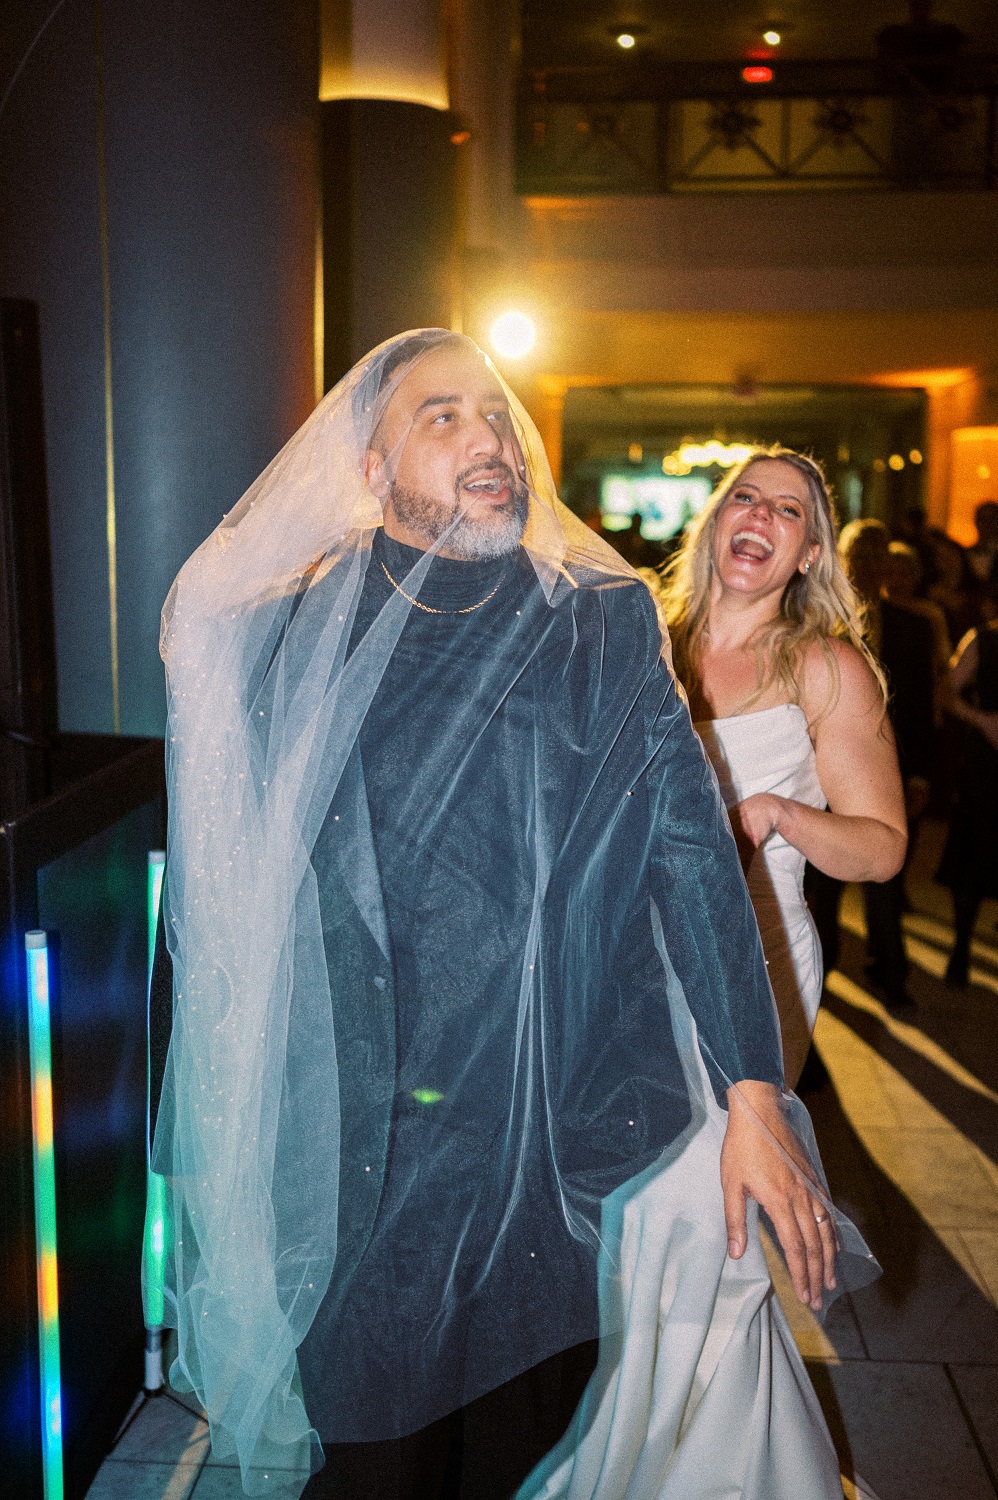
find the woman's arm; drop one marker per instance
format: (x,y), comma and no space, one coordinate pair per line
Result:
(961,676)
(863,835)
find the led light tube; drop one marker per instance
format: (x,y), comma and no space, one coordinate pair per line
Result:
(42,1140)
(154,1232)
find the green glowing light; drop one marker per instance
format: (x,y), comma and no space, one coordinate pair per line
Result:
(40,1056)
(427,1096)
(154,1234)
(154,1250)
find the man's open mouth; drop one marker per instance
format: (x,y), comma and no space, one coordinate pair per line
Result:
(490,486)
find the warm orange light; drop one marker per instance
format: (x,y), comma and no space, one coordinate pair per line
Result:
(930,380)
(757,75)
(42,1111)
(460,138)
(48,1287)
(974,478)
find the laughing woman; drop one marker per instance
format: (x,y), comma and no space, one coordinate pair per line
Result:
(790,705)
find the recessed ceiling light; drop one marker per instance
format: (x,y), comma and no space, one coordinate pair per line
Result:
(625,39)
(772,38)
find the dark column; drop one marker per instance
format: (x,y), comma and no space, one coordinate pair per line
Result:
(388,223)
(28,711)
(212,164)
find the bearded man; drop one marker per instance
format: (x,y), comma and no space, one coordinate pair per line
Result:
(443,846)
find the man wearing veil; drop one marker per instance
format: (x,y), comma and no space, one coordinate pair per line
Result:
(444,852)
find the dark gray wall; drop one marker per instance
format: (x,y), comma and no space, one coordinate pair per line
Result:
(211,119)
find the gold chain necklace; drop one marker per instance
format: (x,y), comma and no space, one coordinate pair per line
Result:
(428,609)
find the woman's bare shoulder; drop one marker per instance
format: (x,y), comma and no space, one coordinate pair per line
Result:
(837,678)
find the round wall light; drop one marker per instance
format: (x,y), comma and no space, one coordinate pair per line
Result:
(513,335)
(627,36)
(772,38)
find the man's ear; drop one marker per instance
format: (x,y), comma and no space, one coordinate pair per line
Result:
(374,473)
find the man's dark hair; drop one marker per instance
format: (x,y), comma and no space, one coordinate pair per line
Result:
(380,375)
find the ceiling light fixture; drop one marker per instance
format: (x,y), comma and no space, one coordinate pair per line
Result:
(625,40)
(772,38)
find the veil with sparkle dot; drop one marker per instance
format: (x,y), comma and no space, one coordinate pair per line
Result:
(269,685)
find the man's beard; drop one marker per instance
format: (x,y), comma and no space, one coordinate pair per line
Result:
(492,531)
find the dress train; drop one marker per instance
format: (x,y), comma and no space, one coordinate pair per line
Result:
(700,1392)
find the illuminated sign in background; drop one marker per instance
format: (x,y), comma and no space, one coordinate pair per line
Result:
(666,503)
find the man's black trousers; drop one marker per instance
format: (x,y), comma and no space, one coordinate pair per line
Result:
(484,1451)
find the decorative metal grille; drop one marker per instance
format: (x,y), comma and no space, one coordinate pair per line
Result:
(906,137)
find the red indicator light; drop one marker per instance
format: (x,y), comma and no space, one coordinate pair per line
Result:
(757,75)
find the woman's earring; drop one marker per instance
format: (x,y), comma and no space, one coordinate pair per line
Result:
(807,567)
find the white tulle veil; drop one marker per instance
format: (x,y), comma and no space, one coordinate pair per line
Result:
(267,696)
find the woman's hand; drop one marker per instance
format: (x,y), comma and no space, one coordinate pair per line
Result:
(762,1159)
(752,822)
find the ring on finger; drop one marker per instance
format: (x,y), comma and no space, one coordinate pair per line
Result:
(821,1218)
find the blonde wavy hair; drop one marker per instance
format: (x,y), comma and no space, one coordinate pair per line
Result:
(816,607)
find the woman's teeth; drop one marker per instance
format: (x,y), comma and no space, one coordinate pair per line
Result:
(751,544)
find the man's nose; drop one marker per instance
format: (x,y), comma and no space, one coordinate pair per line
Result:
(485,437)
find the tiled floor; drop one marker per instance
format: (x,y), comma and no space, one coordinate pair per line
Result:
(907,1369)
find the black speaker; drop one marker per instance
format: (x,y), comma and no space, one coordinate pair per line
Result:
(28,699)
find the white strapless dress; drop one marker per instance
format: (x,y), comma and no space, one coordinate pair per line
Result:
(771,751)
(700,1392)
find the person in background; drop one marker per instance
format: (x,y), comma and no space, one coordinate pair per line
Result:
(913,528)
(970,857)
(905,576)
(768,642)
(904,645)
(954,586)
(983,555)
